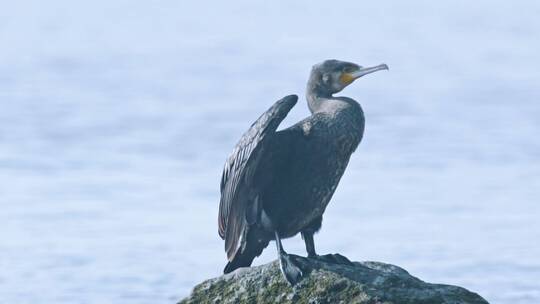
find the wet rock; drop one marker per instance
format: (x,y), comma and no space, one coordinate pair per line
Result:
(325,283)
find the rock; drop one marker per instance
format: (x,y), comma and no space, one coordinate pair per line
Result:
(361,282)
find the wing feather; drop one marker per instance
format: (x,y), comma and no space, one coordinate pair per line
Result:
(238,187)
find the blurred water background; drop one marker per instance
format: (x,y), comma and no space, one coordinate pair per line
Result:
(116,118)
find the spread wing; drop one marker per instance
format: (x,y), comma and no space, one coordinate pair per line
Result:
(239,188)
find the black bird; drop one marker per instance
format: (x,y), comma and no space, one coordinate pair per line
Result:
(276,184)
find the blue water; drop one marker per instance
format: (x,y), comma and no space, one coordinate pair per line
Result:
(116,118)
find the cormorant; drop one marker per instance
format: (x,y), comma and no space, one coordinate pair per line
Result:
(277,184)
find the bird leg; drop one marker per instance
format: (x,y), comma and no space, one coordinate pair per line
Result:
(289,267)
(310,244)
(328,258)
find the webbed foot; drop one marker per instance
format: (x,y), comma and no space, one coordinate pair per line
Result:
(290,268)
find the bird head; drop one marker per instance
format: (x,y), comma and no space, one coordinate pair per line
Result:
(333,75)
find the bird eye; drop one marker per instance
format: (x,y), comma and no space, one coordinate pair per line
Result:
(347,69)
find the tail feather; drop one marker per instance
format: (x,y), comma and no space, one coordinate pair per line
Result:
(244,258)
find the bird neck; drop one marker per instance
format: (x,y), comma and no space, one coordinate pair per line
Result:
(317,96)
(321,101)
(316,101)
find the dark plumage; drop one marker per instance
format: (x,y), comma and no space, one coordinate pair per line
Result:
(278,183)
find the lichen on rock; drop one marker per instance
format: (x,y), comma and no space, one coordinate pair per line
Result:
(328,283)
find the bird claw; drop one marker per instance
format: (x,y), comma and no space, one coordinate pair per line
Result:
(290,269)
(335,258)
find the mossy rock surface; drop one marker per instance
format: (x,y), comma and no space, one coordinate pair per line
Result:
(363,282)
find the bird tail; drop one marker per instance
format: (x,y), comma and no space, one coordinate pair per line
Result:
(244,258)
